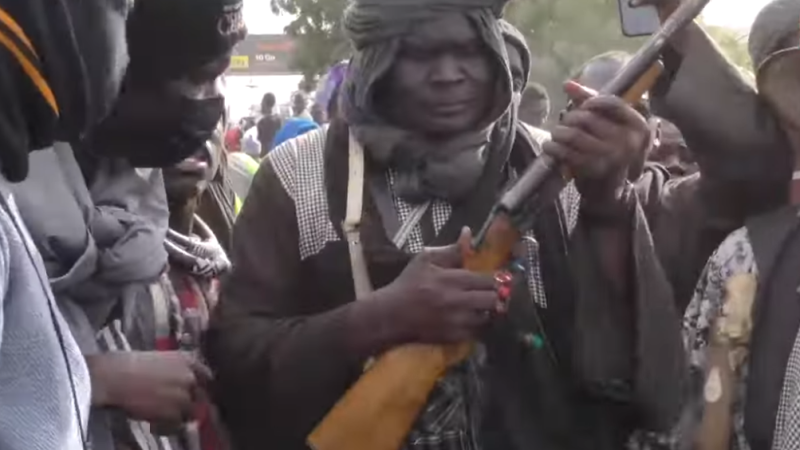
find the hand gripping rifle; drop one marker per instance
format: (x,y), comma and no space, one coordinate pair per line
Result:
(379,410)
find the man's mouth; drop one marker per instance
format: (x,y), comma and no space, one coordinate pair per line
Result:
(451,108)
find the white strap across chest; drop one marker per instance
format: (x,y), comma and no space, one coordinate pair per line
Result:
(352,221)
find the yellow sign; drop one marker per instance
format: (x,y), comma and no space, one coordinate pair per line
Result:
(240,62)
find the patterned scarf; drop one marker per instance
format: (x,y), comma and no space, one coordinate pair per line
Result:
(179,306)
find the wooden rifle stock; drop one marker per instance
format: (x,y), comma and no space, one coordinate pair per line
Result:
(379,410)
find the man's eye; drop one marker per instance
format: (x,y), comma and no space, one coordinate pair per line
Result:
(416,54)
(469,51)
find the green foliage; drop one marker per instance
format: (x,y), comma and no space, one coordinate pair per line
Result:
(733,43)
(562,35)
(317,30)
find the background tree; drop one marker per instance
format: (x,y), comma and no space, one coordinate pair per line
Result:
(317,31)
(562,35)
(733,43)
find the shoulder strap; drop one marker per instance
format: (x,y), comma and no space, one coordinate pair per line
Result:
(352,221)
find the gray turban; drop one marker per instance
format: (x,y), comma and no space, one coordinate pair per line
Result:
(376,29)
(778,22)
(515,38)
(375,26)
(370,21)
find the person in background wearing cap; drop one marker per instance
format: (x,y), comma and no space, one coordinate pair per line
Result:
(763,410)
(61,63)
(428,98)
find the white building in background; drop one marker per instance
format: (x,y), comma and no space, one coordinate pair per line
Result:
(260,64)
(243,93)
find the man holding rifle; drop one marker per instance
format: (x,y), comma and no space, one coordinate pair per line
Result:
(589,348)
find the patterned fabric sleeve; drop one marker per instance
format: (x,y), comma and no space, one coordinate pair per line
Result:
(733,257)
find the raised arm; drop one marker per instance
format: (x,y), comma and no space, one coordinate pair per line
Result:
(744,158)
(737,141)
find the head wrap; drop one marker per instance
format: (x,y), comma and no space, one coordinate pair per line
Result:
(332,80)
(167,39)
(778,22)
(514,37)
(375,28)
(46,88)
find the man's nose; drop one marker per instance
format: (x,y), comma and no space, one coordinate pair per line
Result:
(447,70)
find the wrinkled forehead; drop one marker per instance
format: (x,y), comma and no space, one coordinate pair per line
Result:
(442,33)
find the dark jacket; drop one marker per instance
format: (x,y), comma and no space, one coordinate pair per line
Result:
(277,339)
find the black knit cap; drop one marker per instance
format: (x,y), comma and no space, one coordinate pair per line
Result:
(168,39)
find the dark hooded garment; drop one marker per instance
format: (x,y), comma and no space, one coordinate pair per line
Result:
(46,68)
(39,48)
(517,40)
(612,363)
